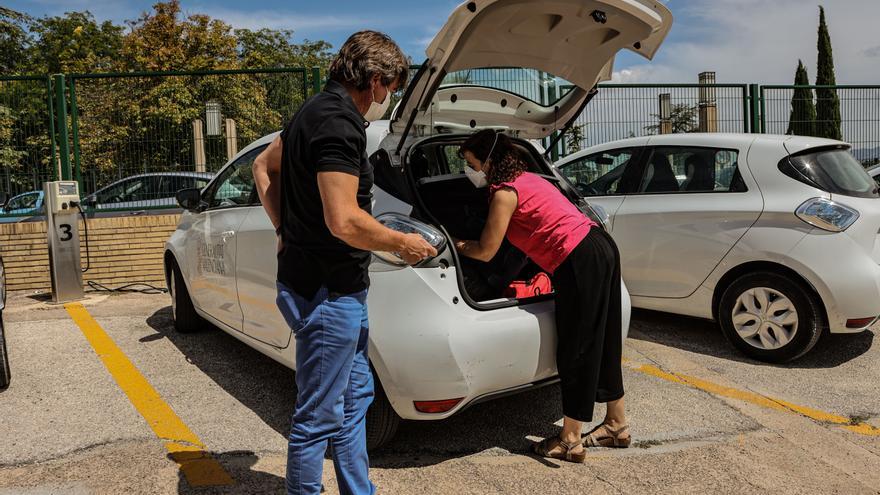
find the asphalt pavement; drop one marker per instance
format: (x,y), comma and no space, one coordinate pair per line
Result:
(79,417)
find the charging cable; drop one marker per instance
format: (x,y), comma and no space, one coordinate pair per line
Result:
(76,204)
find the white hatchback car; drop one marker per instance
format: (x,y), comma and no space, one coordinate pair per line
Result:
(775,237)
(442,335)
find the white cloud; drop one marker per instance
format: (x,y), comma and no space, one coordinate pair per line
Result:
(758,41)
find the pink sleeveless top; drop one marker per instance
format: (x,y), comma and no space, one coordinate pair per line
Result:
(545,226)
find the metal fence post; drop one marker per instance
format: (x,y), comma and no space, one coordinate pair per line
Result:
(755,109)
(61,116)
(51,115)
(74,126)
(316,80)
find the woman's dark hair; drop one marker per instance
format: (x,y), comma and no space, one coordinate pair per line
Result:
(506,161)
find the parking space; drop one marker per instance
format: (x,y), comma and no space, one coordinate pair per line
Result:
(704,418)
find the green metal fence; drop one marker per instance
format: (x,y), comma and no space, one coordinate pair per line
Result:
(103,128)
(620,111)
(136,123)
(859,111)
(27,152)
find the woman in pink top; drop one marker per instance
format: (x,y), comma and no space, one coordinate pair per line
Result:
(584,265)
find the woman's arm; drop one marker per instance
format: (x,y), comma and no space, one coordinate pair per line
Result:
(500,211)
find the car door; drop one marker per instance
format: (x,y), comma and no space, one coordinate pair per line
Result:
(605,177)
(256,270)
(214,243)
(693,203)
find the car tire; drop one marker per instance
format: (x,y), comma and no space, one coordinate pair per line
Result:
(382,421)
(5,372)
(770,317)
(186,319)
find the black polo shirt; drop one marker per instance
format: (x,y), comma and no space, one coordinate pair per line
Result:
(327,134)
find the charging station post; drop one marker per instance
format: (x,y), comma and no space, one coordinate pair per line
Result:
(62,228)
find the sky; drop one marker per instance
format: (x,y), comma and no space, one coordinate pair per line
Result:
(743,41)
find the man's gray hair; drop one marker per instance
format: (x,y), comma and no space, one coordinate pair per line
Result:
(366,53)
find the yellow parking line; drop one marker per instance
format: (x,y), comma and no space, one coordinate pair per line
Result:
(754,398)
(184,446)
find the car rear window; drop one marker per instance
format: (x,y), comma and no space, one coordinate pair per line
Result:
(833,170)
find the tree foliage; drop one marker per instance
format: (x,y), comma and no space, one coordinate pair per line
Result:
(135,123)
(802,121)
(828,103)
(682,116)
(14,40)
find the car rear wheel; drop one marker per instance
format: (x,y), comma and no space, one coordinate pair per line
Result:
(186,320)
(770,317)
(5,373)
(382,421)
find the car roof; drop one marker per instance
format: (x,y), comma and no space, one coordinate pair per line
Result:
(183,173)
(36,191)
(793,144)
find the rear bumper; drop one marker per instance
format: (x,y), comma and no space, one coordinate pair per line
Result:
(846,277)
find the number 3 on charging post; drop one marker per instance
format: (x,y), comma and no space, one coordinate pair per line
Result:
(66,232)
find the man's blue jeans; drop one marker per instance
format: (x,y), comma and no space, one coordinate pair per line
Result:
(334,389)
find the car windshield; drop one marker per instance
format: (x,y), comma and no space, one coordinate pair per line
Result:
(833,170)
(540,87)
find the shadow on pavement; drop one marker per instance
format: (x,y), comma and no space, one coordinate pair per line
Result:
(267,388)
(705,337)
(247,481)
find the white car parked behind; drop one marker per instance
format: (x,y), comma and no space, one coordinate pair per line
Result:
(442,336)
(775,237)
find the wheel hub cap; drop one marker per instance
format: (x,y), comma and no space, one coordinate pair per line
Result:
(765,318)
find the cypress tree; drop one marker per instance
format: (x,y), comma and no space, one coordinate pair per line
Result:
(803,112)
(827,102)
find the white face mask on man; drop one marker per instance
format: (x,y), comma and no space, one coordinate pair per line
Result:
(377,110)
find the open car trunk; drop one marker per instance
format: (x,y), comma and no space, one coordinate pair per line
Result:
(446,197)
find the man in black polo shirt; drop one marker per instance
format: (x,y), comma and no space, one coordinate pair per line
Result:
(314,182)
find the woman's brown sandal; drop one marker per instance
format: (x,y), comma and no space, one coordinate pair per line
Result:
(545,446)
(610,438)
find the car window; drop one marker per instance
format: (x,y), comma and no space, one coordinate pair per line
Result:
(455,163)
(171,184)
(833,170)
(26,201)
(235,185)
(113,193)
(674,169)
(600,174)
(142,189)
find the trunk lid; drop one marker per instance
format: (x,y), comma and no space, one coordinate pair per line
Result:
(525,65)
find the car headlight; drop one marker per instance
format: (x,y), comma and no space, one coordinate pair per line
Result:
(405,224)
(826,214)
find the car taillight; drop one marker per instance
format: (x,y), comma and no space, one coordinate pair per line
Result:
(436,406)
(405,224)
(826,214)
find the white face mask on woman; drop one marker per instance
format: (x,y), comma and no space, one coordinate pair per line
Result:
(479,179)
(377,110)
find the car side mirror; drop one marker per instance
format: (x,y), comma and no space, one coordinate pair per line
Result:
(4,198)
(90,201)
(189,199)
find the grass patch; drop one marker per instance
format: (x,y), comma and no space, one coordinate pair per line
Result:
(858,419)
(647,444)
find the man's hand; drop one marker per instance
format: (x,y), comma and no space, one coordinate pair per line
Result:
(415,249)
